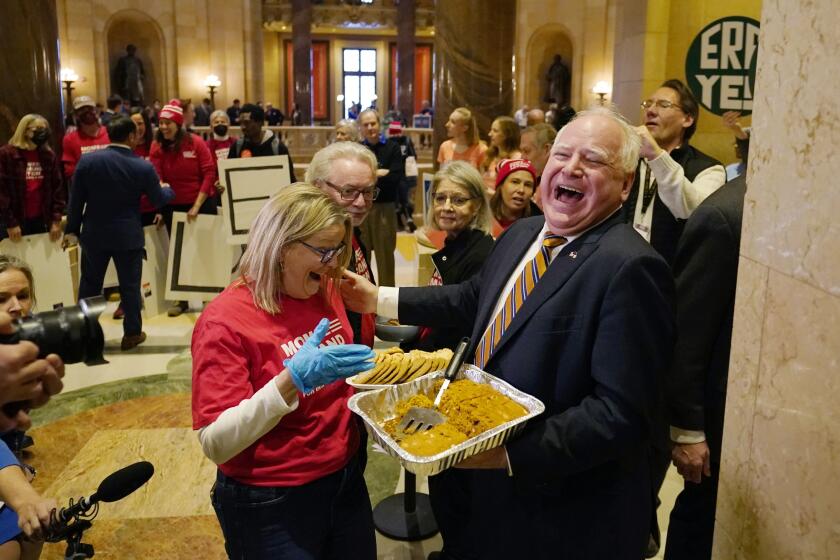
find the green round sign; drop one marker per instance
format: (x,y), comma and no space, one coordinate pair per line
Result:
(720,65)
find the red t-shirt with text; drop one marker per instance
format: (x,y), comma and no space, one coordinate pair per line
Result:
(76,144)
(237,348)
(34,185)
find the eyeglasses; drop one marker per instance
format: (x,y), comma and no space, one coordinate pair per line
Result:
(661,103)
(351,193)
(326,254)
(457,201)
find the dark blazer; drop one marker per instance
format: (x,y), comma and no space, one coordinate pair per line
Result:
(13,186)
(107,185)
(592,341)
(705,268)
(460,259)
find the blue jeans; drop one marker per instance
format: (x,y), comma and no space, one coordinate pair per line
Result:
(329,518)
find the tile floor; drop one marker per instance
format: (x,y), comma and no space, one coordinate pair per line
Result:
(137,407)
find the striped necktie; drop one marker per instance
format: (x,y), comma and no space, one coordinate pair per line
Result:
(516,297)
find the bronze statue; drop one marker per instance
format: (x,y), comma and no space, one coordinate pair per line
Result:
(129,76)
(559,82)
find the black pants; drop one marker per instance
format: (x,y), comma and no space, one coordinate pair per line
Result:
(692,524)
(129,265)
(449,493)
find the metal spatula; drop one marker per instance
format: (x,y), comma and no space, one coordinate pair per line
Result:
(419,419)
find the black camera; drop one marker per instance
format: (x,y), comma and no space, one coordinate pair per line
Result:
(74,333)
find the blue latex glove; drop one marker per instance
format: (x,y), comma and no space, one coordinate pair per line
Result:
(313,366)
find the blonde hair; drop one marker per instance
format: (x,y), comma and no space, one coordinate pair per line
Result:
(297,212)
(467,177)
(465,116)
(19,140)
(11,262)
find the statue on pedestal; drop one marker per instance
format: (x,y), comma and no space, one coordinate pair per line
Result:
(559,82)
(129,76)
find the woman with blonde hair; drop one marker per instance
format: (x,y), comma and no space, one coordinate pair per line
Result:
(32,194)
(464,143)
(269,398)
(504,144)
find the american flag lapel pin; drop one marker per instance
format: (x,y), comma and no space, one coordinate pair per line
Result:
(573,254)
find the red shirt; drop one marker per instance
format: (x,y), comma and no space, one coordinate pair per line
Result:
(188,171)
(237,349)
(76,144)
(34,185)
(145,205)
(219,149)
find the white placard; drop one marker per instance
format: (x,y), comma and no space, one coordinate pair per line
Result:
(51,269)
(200,263)
(249,183)
(153,278)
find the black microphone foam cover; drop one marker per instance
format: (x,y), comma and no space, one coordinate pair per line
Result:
(120,484)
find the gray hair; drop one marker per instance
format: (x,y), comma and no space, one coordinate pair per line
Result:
(543,133)
(322,162)
(355,136)
(219,113)
(627,157)
(466,176)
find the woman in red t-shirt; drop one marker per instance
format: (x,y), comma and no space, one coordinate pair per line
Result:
(269,400)
(183,160)
(32,195)
(148,213)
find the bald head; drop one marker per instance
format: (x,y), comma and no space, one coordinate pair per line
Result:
(536,116)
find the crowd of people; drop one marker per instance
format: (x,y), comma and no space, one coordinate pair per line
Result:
(577,262)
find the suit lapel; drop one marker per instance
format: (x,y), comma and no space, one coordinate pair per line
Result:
(562,267)
(503,266)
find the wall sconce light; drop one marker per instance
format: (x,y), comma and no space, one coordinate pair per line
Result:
(211,82)
(602,90)
(68,76)
(339,97)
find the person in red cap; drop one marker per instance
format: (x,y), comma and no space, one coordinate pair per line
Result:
(183,160)
(88,137)
(515,182)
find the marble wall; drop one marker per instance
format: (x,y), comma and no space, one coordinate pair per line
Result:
(779,497)
(194,38)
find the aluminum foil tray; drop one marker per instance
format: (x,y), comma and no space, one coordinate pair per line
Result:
(376,407)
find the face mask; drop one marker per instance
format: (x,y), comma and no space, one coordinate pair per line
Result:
(220,129)
(40,137)
(88,117)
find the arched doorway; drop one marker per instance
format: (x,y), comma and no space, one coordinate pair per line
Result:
(544,45)
(136,28)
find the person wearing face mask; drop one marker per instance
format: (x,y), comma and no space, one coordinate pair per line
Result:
(221,141)
(32,194)
(268,395)
(89,135)
(513,198)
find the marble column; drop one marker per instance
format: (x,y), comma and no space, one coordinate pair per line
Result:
(29,65)
(778,495)
(302,57)
(474,41)
(405,58)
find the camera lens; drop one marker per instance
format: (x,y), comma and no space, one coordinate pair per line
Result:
(74,333)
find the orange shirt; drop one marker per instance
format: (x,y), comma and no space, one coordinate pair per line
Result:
(473,155)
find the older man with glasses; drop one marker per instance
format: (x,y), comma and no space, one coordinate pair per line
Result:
(346,171)
(672,179)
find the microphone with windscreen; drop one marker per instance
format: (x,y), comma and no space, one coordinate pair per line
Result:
(114,487)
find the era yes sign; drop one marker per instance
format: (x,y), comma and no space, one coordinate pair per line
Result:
(720,65)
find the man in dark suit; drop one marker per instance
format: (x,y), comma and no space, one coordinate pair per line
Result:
(592,340)
(706,267)
(105,208)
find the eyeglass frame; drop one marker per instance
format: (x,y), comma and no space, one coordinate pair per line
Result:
(326,254)
(659,104)
(374,192)
(451,200)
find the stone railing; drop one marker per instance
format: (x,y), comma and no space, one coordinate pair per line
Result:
(304,141)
